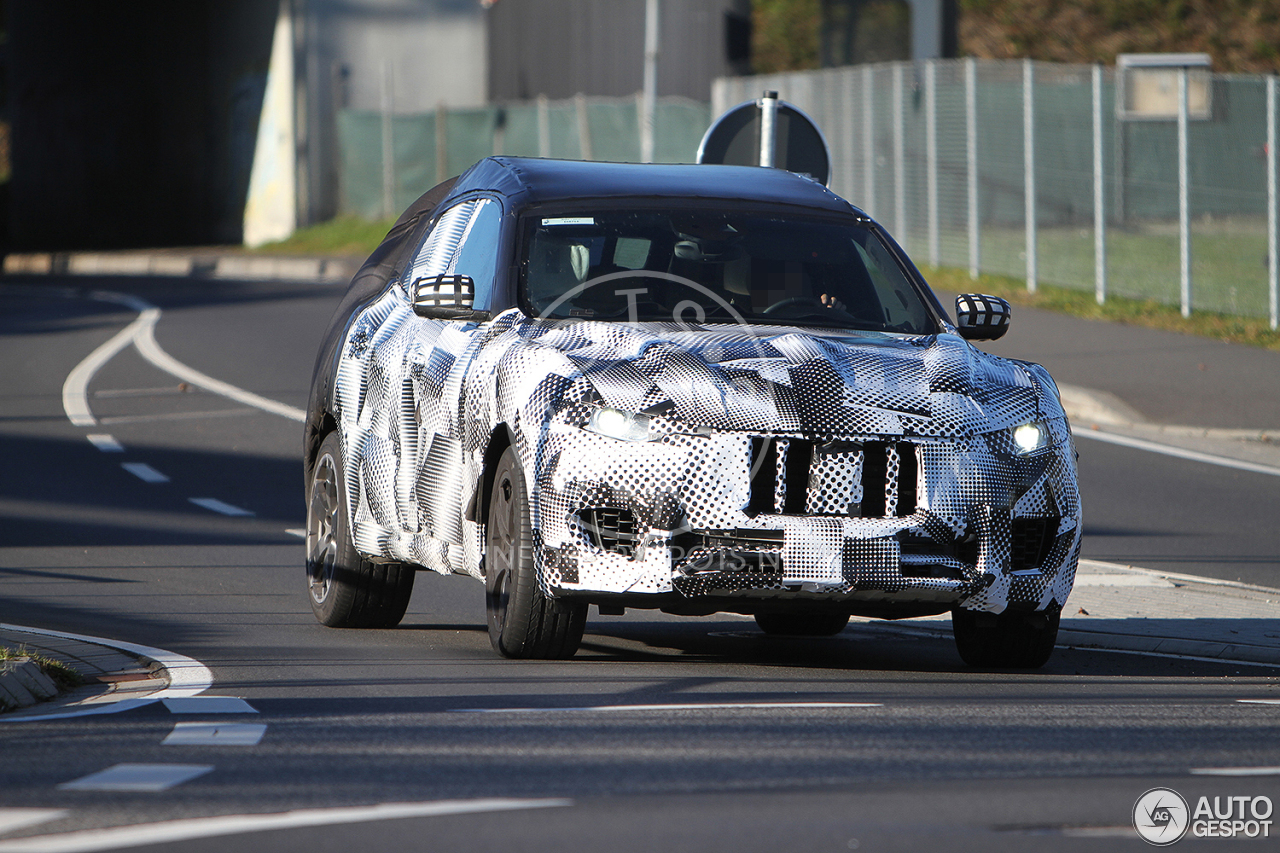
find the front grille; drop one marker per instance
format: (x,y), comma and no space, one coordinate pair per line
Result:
(870,479)
(610,528)
(1030,541)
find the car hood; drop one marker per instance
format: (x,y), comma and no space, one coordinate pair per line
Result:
(788,380)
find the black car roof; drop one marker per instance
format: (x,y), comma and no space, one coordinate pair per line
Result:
(527,181)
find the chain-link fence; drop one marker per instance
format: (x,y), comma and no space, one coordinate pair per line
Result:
(388,160)
(1030,170)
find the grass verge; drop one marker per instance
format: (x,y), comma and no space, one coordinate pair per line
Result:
(1137,312)
(61,674)
(345,236)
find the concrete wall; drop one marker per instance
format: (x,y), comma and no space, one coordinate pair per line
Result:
(559,48)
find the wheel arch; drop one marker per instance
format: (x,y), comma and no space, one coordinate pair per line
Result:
(499,440)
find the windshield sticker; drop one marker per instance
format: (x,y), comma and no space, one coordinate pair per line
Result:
(570,220)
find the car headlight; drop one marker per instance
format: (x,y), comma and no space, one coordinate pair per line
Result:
(615,423)
(1029,437)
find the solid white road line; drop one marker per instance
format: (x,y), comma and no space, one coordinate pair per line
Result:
(144,472)
(150,350)
(141,333)
(216,505)
(14,819)
(1178,452)
(91,840)
(105,443)
(1259,701)
(137,777)
(1236,771)
(698,706)
(187,676)
(215,734)
(75,389)
(209,705)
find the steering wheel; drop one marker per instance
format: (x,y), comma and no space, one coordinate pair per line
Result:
(793,301)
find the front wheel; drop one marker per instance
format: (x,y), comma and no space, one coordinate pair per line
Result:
(1008,641)
(523,623)
(346,590)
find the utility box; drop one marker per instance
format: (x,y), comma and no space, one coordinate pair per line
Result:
(1147,86)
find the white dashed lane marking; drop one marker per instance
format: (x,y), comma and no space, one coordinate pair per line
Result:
(137,777)
(144,472)
(215,734)
(1236,771)
(1259,701)
(220,506)
(209,705)
(105,443)
(300,532)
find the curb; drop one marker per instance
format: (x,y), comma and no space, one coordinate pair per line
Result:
(23,684)
(239,267)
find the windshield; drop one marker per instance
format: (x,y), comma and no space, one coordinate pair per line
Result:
(716,267)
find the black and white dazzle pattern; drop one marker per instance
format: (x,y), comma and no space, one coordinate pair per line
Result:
(774,462)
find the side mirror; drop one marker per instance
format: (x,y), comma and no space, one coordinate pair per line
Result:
(444,297)
(980,317)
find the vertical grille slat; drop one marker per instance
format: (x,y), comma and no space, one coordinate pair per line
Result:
(877,480)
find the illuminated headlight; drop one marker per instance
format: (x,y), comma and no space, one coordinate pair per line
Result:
(618,424)
(1029,438)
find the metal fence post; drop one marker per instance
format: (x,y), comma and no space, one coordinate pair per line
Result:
(584,126)
(971,152)
(869,139)
(899,159)
(847,124)
(1273,264)
(544,127)
(1184,203)
(1029,167)
(442,142)
(931,156)
(1099,214)
(388,150)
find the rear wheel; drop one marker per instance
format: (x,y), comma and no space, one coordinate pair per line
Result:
(1006,641)
(523,623)
(802,624)
(346,590)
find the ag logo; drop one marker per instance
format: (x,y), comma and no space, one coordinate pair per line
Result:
(1160,816)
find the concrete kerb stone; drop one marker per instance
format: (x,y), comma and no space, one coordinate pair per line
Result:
(200,264)
(1089,409)
(109,675)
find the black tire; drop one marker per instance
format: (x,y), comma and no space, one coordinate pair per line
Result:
(1008,641)
(802,624)
(523,623)
(346,590)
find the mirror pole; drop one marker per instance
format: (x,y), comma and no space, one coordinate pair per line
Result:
(768,127)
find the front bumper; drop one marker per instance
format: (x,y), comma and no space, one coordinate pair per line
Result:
(874,525)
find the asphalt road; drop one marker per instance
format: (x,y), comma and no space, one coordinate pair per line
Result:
(915,751)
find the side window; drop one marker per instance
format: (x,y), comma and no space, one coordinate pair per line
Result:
(464,240)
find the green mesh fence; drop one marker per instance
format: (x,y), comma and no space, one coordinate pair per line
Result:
(373,185)
(899,136)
